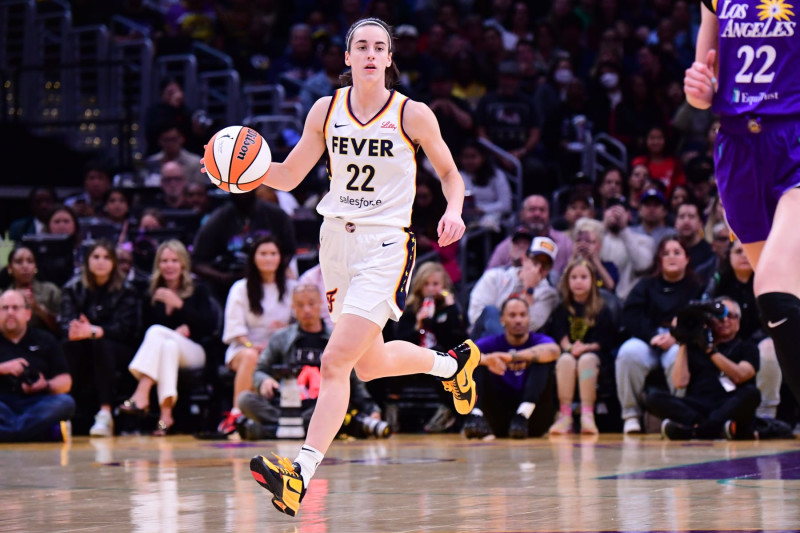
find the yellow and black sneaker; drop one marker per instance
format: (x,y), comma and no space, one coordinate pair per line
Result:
(462,385)
(283,481)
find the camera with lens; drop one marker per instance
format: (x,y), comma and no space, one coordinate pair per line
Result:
(362,426)
(29,376)
(693,326)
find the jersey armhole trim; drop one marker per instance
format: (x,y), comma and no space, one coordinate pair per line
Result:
(328,114)
(711,5)
(402,129)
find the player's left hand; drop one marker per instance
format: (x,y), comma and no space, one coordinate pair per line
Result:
(451,228)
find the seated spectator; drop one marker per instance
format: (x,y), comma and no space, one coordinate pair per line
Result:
(34,379)
(535,214)
(313,276)
(637,181)
(663,167)
(653,216)
(178,316)
(133,275)
(99,319)
(96,183)
(41,202)
(486,185)
(257,307)
(589,235)
(171,140)
(297,348)
(720,243)
(514,370)
(583,327)
(63,221)
(325,81)
(716,215)
(432,319)
(170,109)
(647,315)
(283,199)
(429,206)
(631,252)
(198,200)
(117,209)
(453,113)
(719,378)
(173,182)
(580,204)
(508,118)
(679,196)
(734,279)
(529,281)
(151,220)
(701,184)
(43,298)
(689,226)
(610,190)
(220,244)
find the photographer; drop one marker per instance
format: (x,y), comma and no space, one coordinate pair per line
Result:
(34,380)
(718,372)
(298,349)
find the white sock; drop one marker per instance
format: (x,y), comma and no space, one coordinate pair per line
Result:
(476,412)
(309,459)
(444,365)
(526,409)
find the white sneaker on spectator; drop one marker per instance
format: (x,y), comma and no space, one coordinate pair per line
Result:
(631,426)
(588,425)
(103,425)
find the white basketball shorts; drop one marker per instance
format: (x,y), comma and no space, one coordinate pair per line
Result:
(366,269)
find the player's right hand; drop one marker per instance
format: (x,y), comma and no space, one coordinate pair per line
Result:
(700,82)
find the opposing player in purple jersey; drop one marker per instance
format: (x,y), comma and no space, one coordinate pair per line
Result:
(748,53)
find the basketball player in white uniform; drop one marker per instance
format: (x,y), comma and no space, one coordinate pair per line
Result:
(370,134)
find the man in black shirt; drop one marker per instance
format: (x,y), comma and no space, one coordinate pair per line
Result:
(34,380)
(297,350)
(721,394)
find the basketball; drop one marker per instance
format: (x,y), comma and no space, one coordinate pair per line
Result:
(236,159)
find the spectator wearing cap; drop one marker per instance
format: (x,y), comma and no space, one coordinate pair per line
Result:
(528,281)
(453,113)
(631,252)
(507,117)
(535,215)
(580,204)
(653,216)
(415,66)
(96,183)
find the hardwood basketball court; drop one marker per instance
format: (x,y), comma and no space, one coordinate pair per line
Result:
(405,483)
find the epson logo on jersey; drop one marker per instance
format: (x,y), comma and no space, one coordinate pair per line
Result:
(370,147)
(249,139)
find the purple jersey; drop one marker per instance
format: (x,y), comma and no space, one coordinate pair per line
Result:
(498,343)
(758,55)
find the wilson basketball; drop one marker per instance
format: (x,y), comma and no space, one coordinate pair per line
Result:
(236,159)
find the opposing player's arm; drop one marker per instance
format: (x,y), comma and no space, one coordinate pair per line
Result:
(288,175)
(699,84)
(421,125)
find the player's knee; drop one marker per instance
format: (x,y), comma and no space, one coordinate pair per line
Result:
(334,364)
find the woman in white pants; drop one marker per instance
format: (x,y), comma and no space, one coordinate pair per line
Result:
(179,315)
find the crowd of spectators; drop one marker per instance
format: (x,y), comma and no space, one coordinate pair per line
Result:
(577,300)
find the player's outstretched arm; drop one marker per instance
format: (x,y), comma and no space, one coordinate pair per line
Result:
(421,125)
(700,81)
(288,175)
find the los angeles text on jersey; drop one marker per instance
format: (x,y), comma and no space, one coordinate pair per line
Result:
(367,147)
(733,13)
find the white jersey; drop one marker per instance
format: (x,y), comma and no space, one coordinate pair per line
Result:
(371,165)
